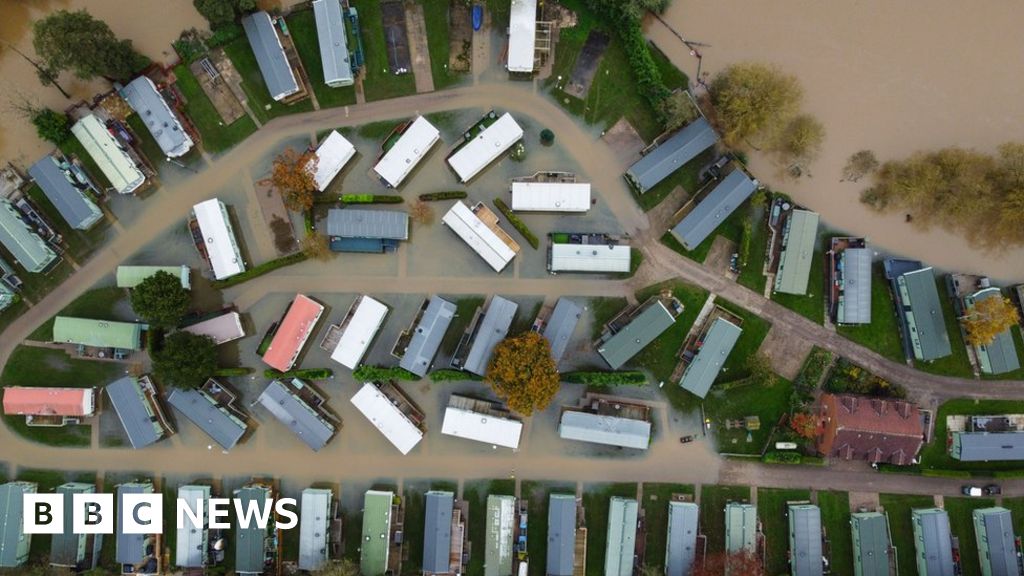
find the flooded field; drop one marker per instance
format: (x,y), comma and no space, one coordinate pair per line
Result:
(885,76)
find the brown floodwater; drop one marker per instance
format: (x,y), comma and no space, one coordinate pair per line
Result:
(893,77)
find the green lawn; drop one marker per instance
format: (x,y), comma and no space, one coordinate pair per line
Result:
(883,334)
(1016,508)
(538,492)
(500,11)
(595,507)
(302,25)
(379,83)
(812,304)
(602,310)
(415,508)
(464,309)
(80,243)
(1018,374)
(11,313)
(732,228)
(768,404)
(216,137)
(435,13)
(379,130)
(263,106)
(835,518)
(66,437)
(659,357)
(962,525)
(957,363)
(772,510)
(72,147)
(713,499)
(755,329)
(898,507)
(935,455)
(655,505)
(752,272)
(99,304)
(28,366)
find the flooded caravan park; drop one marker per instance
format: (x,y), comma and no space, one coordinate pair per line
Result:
(893,77)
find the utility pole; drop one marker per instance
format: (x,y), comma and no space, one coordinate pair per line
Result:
(45,76)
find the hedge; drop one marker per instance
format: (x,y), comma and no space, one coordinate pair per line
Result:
(232,372)
(781,458)
(382,374)
(517,223)
(446,375)
(597,378)
(302,374)
(452,195)
(260,270)
(938,473)
(371,199)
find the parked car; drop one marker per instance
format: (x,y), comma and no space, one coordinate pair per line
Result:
(973,491)
(993,490)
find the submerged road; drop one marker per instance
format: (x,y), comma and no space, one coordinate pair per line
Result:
(267,454)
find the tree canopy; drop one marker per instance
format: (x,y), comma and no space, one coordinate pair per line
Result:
(317,246)
(185,360)
(50,125)
(989,318)
(161,300)
(754,101)
(523,374)
(85,46)
(977,195)
(859,165)
(292,176)
(220,12)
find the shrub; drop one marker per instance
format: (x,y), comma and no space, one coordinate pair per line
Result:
(302,374)
(781,458)
(233,372)
(371,199)
(224,35)
(446,375)
(450,195)
(601,379)
(518,224)
(382,374)
(260,270)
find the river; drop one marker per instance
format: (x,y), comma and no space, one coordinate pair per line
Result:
(893,77)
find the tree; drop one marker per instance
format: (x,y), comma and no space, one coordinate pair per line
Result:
(77,42)
(221,12)
(988,318)
(677,110)
(800,141)
(50,125)
(523,374)
(547,137)
(761,372)
(716,564)
(859,165)
(754,100)
(804,424)
(185,360)
(317,247)
(292,176)
(161,300)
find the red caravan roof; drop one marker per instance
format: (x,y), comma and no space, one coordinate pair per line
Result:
(291,336)
(49,401)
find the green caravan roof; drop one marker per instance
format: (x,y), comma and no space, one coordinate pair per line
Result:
(132,276)
(797,253)
(97,333)
(374,547)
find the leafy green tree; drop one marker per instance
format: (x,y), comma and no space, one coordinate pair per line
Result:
(79,43)
(185,360)
(161,300)
(523,374)
(220,12)
(754,101)
(51,126)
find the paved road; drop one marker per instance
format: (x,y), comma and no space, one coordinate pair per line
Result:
(170,206)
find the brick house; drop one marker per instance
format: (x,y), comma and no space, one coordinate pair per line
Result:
(872,429)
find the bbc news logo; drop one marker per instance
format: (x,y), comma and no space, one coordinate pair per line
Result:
(144,513)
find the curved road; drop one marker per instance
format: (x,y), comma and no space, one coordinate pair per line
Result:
(171,204)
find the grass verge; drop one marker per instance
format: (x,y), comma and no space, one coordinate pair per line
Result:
(216,136)
(883,334)
(379,83)
(835,518)
(262,105)
(898,507)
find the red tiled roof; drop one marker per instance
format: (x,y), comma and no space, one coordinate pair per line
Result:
(293,332)
(872,429)
(49,401)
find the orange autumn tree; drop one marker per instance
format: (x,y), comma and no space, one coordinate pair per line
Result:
(988,318)
(292,176)
(523,374)
(804,424)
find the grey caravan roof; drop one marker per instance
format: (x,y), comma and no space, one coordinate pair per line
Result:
(561,534)
(131,548)
(933,542)
(996,535)
(727,196)
(215,421)
(330,31)
(608,430)
(805,540)
(358,223)
(250,542)
(682,538)
(314,530)
(671,155)
(870,533)
(157,115)
(427,336)
(621,536)
(493,329)
(561,325)
(13,545)
(192,543)
(740,527)
(126,397)
(988,446)
(855,301)
(702,371)
(300,418)
(924,322)
(266,46)
(64,547)
(437,532)
(75,208)
(27,248)
(636,335)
